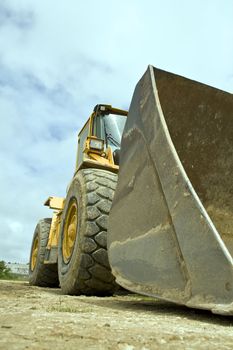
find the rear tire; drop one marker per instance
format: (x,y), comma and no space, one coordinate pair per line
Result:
(83,263)
(40,274)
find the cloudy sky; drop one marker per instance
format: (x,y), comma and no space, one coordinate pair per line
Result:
(58,59)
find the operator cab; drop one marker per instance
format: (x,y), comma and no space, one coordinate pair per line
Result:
(109,127)
(100,138)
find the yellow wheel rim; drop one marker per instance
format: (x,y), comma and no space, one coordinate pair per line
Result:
(70,231)
(34,253)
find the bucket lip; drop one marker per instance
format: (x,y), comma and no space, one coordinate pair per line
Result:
(154,68)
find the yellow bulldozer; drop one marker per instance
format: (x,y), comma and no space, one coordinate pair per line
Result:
(163,226)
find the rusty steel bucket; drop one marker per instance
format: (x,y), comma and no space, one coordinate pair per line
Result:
(171,224)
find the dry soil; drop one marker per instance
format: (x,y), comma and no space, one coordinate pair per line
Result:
(41,318)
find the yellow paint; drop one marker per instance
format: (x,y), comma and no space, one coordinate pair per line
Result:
(54,230)
(55,203)
(70,231)
(34,253)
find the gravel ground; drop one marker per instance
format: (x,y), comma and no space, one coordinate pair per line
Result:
(41,318)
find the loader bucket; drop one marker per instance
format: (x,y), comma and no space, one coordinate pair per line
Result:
(171,224)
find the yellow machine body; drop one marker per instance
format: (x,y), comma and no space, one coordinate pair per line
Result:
(93,152)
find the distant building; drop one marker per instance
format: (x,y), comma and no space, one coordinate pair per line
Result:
(19,269)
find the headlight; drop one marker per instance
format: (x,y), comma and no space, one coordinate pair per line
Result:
(97,144)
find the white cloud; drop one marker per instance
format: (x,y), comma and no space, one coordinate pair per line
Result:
(58,59)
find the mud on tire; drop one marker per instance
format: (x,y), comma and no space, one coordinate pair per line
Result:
(88,271)
(43,275)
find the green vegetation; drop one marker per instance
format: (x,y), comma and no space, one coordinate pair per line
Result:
(17,277)
(63,307)
(6,274)
(68,309)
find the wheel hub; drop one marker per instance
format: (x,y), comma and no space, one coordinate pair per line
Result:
(34,253)
(70,232)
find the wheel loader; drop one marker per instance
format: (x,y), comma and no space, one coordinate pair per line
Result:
(168,231)
(71,248)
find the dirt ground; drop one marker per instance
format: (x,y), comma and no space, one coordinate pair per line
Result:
(40,318)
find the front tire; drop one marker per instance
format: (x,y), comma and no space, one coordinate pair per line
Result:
(82,250)
(40,274)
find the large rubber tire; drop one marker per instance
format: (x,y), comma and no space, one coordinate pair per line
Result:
(43,275)
(87,271)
